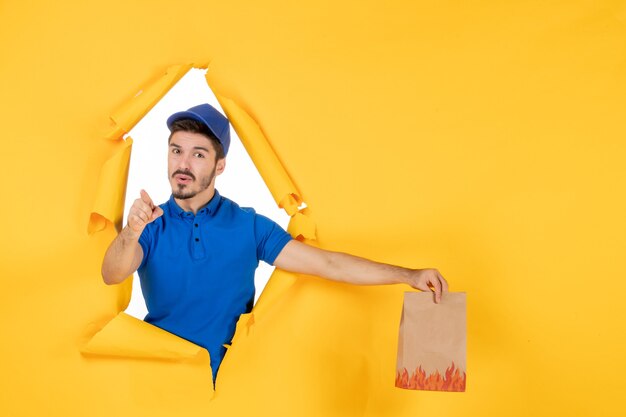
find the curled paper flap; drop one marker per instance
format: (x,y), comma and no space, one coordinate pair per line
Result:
(301,226)
(272,171)
(128,337)
(290,203)
(127,116)
(109,201)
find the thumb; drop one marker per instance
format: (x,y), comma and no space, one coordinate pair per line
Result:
(156,213)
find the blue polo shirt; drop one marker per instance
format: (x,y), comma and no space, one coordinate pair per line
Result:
(197,272)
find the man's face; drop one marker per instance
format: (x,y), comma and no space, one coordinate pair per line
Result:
(191,165)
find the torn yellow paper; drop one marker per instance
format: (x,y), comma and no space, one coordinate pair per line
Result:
(276,178)
(485,139)
(111,190)
(301,226)
(128,337)
(129,114)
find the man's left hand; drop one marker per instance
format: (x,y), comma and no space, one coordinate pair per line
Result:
(428,280)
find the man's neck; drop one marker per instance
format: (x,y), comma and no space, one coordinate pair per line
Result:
(197,202)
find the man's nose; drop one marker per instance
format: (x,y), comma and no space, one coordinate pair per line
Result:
(184,162)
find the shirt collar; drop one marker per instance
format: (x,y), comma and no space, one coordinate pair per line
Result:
(209,209)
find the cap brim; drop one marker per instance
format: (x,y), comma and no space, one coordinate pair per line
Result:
(190,115)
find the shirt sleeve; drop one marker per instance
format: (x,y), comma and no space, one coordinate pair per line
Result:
(270,238)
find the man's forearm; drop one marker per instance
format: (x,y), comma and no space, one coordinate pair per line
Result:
(356,270)
(360,271)
(121,258)
(338,266)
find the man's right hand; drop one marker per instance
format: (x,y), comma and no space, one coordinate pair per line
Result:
(142,212)
(124,254)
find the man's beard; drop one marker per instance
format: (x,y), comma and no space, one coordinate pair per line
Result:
(182,193)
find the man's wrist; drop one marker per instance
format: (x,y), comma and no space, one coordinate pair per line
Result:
(129,234)
(406,277)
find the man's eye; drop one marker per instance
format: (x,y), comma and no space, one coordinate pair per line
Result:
(175,150)
(199,155)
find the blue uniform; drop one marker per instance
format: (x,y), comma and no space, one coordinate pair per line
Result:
(197,272)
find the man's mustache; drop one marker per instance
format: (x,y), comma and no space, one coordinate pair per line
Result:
(187,173)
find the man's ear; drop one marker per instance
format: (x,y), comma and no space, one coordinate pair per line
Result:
(220,165)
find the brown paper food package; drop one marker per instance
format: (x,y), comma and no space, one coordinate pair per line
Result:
(432,342)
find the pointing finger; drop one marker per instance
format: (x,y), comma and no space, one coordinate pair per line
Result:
(146,198)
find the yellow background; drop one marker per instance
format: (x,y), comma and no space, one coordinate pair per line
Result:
(483,138)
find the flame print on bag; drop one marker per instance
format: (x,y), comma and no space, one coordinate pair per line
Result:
(452,380)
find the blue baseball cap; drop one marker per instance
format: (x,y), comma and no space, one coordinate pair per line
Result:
(209,116)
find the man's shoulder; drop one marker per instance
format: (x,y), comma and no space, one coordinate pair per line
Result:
(232,214)
(228,204)
(250,213)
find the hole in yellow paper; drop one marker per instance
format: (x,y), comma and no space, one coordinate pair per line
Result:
(240,181)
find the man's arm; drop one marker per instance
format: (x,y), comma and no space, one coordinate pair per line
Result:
(124,255)
(302,258)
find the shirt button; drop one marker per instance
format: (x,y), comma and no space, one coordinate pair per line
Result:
(196,224)
(197,240)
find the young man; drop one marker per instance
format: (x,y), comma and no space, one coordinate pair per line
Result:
(196,254)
